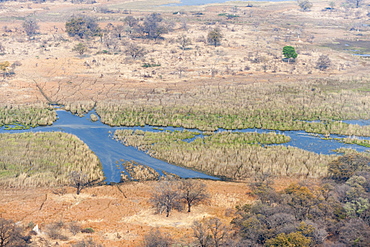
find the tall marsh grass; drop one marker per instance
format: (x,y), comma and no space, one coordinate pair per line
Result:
(315,106)
(45,159)
(26,116)
(230,155)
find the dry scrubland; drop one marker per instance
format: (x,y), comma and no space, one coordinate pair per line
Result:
(242,83)
(250,51)
(119,215)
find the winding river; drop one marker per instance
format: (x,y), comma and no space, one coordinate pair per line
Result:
(99,137)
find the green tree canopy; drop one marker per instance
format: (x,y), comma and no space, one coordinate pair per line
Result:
(294,239)
(289,52)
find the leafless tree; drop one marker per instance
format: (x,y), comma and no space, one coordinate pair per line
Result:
(214,37)
(131,21)
(201,234)
(323,62)
(86,243)
(135,51)
(183,41)
(157,239)
(30,27)
(79,180)
(305,5)
(192,192)
(210,232)
(118,31)
(10,234)
(166,197)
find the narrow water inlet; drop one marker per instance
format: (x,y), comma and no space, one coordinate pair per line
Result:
(99,138)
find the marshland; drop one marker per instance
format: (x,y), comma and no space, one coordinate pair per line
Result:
(151,92)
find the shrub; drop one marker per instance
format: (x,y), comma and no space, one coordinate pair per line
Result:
(344,167)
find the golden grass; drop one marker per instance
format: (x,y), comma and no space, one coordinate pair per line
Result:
(279,106)
(230,155)
(45,159)
(26,116)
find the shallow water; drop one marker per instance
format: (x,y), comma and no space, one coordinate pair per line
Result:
(111,153)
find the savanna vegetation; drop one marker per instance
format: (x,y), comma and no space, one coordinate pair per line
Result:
(25,117)
(231,155)
(314,106)
(45,159)
(278,66)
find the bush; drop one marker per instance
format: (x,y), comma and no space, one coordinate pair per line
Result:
(88,230)
(305,5)
(83,27)
(345,167)
(323,62)
(156,239)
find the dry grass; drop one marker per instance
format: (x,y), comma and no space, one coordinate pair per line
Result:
(138,172)
(281,106)
(45,159)
(231,155)
(26,116)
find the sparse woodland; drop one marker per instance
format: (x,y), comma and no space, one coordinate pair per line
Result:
(281,66)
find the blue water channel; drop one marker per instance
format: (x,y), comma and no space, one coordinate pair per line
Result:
(99,137)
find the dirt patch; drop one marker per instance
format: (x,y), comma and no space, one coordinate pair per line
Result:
(118,219)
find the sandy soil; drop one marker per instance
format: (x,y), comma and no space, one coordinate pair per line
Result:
(122,219)
(118,218)
(260,32)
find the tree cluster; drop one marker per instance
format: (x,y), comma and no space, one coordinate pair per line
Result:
(337,210)
(176,194)
(82,27)
(153,26)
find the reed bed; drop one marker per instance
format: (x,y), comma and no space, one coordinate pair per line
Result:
(138,172)
(231,155)
(144,139)
(313,106)
(346,151)
(365,143)
(79,108)
(45,159)
(26,116)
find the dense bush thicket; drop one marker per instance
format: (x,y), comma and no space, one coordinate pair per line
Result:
(332,211)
